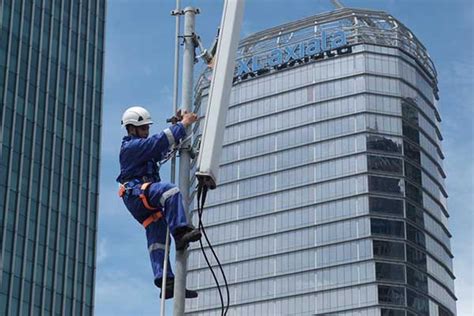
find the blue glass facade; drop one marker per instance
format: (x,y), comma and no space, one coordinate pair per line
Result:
(331,196)
(51,65)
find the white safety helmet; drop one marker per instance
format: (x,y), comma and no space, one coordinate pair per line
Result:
(136,116)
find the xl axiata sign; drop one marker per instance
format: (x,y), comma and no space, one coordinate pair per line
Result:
(328,44)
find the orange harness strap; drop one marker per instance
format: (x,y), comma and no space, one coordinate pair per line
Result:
(121,191)
(152,218)
(144,199)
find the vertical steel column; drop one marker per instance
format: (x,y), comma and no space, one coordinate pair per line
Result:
(177,14)
(185,158)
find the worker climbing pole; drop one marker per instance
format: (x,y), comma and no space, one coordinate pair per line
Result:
(154,204)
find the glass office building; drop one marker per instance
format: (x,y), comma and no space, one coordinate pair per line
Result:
(331,196)
(51,59)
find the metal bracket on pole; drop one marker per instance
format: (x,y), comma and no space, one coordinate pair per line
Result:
(177,12)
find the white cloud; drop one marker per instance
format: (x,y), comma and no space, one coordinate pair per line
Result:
(101,250)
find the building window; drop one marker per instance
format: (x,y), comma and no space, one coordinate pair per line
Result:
(384,164)
(414,214)
(413,173)
(391,312)
(391,295)
(411,152)
(387,227)
(443,312)
(409,113)
(411,132)
(417,279)
(416,257)
(384,144)
(390,272)
(415,235)
(385,185)
(389,249)
(417,302)
(413,193)
(386,206)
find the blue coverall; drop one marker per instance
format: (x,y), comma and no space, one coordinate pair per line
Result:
(138,162)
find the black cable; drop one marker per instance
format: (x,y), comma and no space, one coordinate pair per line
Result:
(215,255)
(201,201)
(201,227)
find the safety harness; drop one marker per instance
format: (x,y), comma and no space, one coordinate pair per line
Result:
(157,212)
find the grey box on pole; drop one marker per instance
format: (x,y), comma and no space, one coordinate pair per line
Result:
(221,85)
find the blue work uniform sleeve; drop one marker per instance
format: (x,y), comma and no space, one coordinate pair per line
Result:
(157,145)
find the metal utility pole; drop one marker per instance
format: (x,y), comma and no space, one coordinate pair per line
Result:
(177,13)
(185,157)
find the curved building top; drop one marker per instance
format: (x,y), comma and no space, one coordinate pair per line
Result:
(360,26)
(316,36)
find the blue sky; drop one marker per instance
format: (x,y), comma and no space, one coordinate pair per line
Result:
(139,70)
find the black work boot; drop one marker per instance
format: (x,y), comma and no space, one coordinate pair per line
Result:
(184,235)
(170,289)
